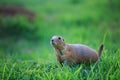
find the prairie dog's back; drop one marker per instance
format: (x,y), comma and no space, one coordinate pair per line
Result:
(82,51)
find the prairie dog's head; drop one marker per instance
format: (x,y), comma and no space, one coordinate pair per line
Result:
(57,42)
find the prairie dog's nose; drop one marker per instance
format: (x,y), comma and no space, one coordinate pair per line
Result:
(52,41)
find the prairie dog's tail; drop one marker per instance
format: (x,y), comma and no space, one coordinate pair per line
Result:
(100,50)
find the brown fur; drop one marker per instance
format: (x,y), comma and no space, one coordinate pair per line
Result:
(76,53)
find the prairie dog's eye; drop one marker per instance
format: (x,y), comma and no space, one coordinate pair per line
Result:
(59,38)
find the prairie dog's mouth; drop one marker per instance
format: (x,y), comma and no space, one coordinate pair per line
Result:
(53,42)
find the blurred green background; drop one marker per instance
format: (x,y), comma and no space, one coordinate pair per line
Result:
(26,26)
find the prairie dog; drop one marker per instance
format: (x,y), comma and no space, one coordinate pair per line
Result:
(76,53)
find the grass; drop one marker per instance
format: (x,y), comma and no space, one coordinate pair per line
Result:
(91,23)
(106,69)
